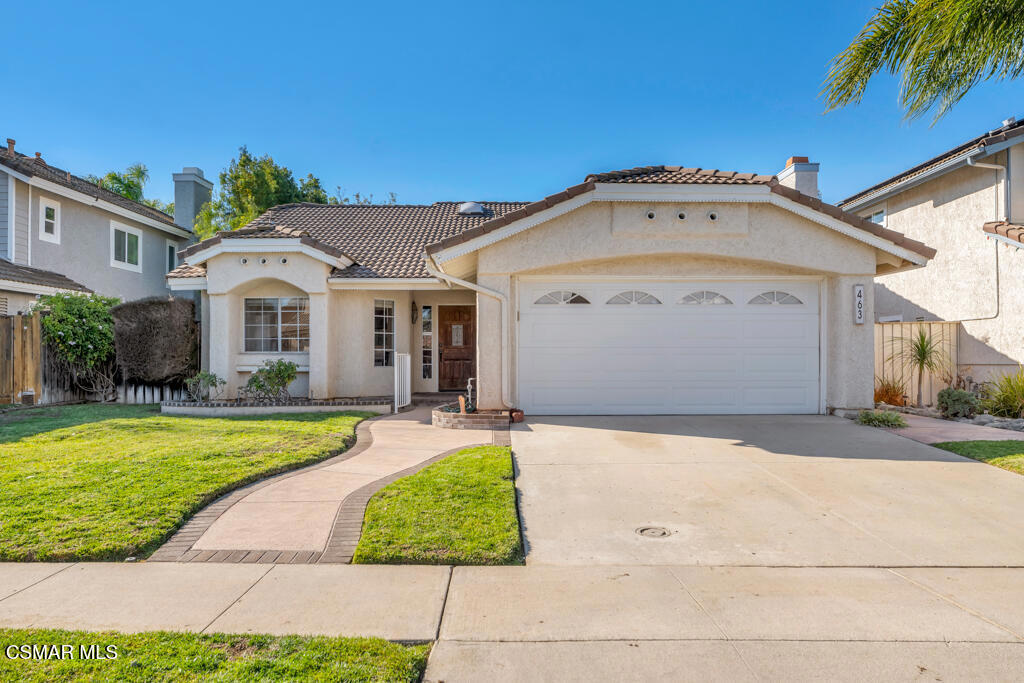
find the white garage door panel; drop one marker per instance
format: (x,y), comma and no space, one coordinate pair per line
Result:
(601,358)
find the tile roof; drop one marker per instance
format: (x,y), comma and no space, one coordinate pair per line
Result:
(1003,229)
(388,241)
(383,241)
(37,276)
(686,176)
(678,175)
(40,169)
(185,270)
(984,140)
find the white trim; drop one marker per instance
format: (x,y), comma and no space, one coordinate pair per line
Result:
(287,245)
(98,203)
(823,322)
(44,204)
(15,286)
(254,368)
(178,284)
(625,192)
(173,245)
(278,299)
(1005,240)
(381,283)
(675,278)
(128,230)
(11,198)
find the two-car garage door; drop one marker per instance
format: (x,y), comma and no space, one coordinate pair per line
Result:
(668,347)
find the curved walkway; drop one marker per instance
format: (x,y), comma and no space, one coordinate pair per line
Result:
(315,514)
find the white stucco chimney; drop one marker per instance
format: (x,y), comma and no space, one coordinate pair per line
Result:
(801,175)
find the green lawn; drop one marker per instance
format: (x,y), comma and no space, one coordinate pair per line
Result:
(461,510)
(105,482)
(163,656)
(1008,455)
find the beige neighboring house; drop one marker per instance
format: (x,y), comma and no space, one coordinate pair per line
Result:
(652,290)
(60,232)
(968,203)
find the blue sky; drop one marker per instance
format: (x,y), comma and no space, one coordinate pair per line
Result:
(456,101)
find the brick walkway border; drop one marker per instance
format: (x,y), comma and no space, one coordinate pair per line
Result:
(348,522)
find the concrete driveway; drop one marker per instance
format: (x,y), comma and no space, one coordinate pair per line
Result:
(758,491)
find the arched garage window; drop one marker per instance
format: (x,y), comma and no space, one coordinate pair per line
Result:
(774,297)
(633,296)
(705,298)
(562,297)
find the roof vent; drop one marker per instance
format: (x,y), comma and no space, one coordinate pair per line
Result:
(1009,122)
(471,209)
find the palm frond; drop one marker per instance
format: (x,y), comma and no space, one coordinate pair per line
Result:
(939,48)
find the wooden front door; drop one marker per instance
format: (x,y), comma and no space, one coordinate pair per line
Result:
(456,353)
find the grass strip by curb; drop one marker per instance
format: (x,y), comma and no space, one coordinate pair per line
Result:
(461,510)
(165,656)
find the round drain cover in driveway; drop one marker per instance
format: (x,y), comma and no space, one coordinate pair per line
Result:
(653,531)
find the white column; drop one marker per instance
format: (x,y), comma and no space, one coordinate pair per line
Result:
(319,346)
(218,326)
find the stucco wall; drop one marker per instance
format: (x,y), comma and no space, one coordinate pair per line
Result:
(598,239)
(961,282)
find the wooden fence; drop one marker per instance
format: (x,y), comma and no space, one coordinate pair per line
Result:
(27,364)
(20,358)
(891,339)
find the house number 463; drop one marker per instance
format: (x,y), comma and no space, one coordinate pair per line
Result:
(858,304)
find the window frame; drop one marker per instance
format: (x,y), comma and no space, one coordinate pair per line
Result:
(173,254)
(279,324)
(127,230)
(427,352)
(388,360)
(44,204)
(880,212)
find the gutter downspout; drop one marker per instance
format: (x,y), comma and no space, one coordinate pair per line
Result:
(1000,216)
(434,269)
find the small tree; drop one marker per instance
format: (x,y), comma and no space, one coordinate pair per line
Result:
(921,352)
(79,329)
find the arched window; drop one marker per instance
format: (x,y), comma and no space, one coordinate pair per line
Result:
(562,297)
(774,297)
(705,298)
(633,296)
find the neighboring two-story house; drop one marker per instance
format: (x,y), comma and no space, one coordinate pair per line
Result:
(967,203)
(60,232)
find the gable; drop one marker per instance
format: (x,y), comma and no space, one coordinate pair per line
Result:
(604,230)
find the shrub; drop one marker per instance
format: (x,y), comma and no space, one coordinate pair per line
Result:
(890,391)
(156,339)
(79,331)
(958,403)
(881,418)
(1005,396)
(270,383)
(204,386)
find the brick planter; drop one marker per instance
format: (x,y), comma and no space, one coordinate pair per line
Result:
(377,404)
(482,419)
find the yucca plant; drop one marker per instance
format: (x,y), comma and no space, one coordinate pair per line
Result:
(1005,396)
(920,352)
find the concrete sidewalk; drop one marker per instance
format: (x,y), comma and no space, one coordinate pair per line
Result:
(297,517)
(570,623)
(931,430)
